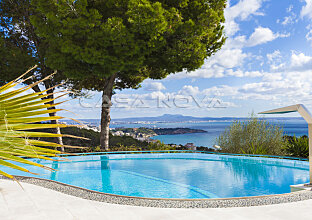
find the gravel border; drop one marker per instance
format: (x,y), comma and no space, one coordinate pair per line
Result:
(167,203)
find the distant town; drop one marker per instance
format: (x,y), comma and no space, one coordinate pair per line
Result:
(144,134)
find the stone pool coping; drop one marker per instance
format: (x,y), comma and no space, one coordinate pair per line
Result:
(167,203)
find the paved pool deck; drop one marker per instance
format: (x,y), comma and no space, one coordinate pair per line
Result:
(35,202)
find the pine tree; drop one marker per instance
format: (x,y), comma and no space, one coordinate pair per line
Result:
(116,44)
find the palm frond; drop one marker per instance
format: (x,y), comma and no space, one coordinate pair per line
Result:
(19,114)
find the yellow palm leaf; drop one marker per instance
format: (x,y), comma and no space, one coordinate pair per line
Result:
(19,114)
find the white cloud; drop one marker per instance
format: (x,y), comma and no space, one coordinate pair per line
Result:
(237,42)
(288,20)
(253,96)
(272,77)
(218,65)
(153,95)
(306,10)
(154,86)
(291,84)
(270,88)
(220,91)
(299,60)
(290,8)
(231,27)
(309,36)
(227,58)
(240,73)
(291,18)
(262,35)
(242,11)
(273,56)
(275,60)
(299,63)
(189,90)
(224,63)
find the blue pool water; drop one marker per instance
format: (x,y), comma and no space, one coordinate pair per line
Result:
(177,175)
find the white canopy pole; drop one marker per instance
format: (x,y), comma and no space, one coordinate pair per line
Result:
(303,111)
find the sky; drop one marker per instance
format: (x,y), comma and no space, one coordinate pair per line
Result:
(265,63)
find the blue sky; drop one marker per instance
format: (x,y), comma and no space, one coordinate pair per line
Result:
(265,63)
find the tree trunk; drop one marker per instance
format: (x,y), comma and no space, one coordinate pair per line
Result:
(57,130)
(59,140)
(105,114)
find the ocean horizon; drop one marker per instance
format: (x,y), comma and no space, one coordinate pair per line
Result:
(215,127)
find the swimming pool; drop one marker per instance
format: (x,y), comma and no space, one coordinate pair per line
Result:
(177,175)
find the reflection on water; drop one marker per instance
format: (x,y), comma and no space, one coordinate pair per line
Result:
(180,175)
(105,174)
(104,162)
(248,168)
(220,175)
(55,166)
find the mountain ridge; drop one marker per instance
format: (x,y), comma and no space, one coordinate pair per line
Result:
(177,118)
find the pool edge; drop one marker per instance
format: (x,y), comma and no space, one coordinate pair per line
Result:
(166,203)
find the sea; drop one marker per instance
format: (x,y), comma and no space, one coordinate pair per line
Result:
(291,126)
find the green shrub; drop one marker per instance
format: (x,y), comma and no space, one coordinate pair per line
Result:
(159,146)
(297,146)
(253,136)
(97,149)
(255,149)
(121,147)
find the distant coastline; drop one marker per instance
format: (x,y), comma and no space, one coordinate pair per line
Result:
(173,131)
(144,134)
(172,119)
(291,126)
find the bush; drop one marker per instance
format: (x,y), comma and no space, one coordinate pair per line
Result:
(201,148)
(159,146)
(150,147)
(297,146)
(122,147)
(115,141)
(253,136)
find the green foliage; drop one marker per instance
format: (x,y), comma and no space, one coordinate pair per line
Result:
(134,39)
(97,149)
(297,146)
(159,146)
(122,147)
(256,149)
(148,147)
(253,136)
(116,44)
(126,141)
(201,148)
(20,46)
(14,59)
(93,138)
(16,48)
